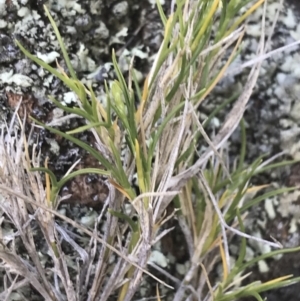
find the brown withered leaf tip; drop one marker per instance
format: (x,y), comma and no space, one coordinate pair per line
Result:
(26,105)
(29,106)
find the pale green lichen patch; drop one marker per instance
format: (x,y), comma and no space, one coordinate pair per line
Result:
(17,79)
(48,57)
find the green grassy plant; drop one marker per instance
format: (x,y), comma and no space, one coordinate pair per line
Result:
(161,138)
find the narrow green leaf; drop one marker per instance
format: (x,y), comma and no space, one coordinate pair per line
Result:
(83,171)
(73,110)
(276,165)
(161,13)
(81,144)
(243,246)
(85,128)
(133,225)
(119,172)
(140,170)
(267,255)
(68,82)
(265,196)
(159,132)
(243,146)
(61,44)
(47,171)
(219,108)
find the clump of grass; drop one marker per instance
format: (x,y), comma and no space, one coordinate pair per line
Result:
(160,138)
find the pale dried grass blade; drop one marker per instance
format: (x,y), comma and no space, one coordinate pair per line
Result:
(17,266)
